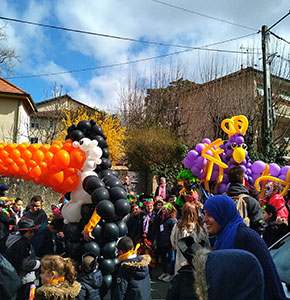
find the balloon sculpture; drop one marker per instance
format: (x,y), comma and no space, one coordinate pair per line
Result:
(80,165)
(210,161)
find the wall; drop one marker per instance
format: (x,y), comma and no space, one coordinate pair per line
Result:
(8,108)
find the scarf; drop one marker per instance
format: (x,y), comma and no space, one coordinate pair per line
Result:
(148,217)
(162,190)
(223,209)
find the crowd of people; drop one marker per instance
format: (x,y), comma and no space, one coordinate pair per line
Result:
(177,229)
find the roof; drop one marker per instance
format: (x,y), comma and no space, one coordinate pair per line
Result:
(66,96)
(8,88)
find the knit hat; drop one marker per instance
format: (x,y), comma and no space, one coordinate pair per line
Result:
(4,187)
(88,262)
(26,225)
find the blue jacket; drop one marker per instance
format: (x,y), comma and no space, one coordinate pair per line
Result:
(91,283)
(165,228)
(131,280)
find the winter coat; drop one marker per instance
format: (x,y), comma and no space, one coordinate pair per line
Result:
(39,217)
(16,215)
(279,203)
(182,285)
(273,232)
(90,285)
(5,222)
(134,225)
(177,234)
(58,291)
(253,207)
(165,228)
(21,255)
(131,280)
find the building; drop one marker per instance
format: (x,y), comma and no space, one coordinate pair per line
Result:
(16,107)
(46,124)
(204,106)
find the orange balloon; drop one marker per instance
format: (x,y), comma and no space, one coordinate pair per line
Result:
(8,162)
(62,159)
(20,161)
(44,148)
(77,157)
(70,172)
(3,154)
(36,180)
(3,168)
(68,146)
(31,164)
(48,157)
(15,154)
(35,172)
(38,156)
(2,146)
(55,147)
(33,147)
(43,165)
(14,168)
(55,179)
(22,147)
(70,183)
(10,147)
(26,155)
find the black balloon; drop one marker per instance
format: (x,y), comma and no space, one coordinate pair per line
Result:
(115,173)
(84,126)
(77,135)
(122,208)
(93,122)
(91,247)
(97,231)
(107,266)
(97,130)
(101,142)
(107,281)
(105,153)
(106,209)
(100,194)
(117,193)
(73,231)
(90,183)
(108,250)
(71,128)
(73,249)
(113,181)
(122,228)
(87,211)
(105,173)
(106,163)
(110,231)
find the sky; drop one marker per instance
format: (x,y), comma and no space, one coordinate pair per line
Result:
(186,23)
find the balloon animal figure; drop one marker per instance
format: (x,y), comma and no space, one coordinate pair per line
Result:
(80,165)
(210,161)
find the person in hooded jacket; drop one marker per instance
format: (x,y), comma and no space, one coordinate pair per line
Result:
(237,189)
(222,219)
(90,279)
(131,280)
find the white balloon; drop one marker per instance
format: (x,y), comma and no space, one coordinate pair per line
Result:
(72,212)
(80,196)
(89,165)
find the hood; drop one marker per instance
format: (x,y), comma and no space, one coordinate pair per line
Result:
(59,291)
(12,239)
(138,266)
(92,279)
(228,274)
(236,189)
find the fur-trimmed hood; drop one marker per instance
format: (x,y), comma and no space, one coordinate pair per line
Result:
(59,291)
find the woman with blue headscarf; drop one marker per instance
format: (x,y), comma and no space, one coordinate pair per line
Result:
(223,220)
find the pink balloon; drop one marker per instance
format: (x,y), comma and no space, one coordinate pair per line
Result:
(258,166)
(199,147)
(274,169)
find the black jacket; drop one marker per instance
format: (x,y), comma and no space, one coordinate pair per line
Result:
(131,280)
(5,221)
(38,217)
(253,207)
(182,285)
(134,225)
(165,228)
(91,283)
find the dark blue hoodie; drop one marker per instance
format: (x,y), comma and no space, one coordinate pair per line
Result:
(91,283)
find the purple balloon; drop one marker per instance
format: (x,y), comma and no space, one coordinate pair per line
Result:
(187,163)
(202,175)
(274,169)
(285,170)
(251,180)
(201,162)
(244,168)
(258,166)
(239,140)
(222,188)
(246,176)
(282,177)
(255,176)
(209,152)
(195,171)
(225,178)
(249,172)
(192,155)
(206,141)
(228,146)
(214,175)
(229,152)
(199,147)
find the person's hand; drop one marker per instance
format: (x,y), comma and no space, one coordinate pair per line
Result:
(87,236)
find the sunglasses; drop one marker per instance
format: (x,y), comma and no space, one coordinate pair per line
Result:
(36,205)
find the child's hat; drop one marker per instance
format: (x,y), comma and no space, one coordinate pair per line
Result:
(89,262)
(26,224)
(4,187)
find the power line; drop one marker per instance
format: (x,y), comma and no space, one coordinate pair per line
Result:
(204,48)
(279,37)
(100,34)
(203,15)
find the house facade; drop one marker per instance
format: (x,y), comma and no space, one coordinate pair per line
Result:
(241,93)
(16,107)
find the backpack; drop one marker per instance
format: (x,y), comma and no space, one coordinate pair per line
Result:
(241,206)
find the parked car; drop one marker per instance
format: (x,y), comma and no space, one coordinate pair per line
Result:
(280,252)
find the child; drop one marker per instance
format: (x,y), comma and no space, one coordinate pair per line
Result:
(58,277)
(90,279)
(164,246)
(131,280)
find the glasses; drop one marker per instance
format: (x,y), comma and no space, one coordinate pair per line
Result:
(36,205)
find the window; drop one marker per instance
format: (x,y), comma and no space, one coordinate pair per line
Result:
(34,123)
(284,96)
(260,90)
(34,140)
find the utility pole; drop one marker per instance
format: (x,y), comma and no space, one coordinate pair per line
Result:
(267,126)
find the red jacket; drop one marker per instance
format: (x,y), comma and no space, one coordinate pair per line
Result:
(278,201)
